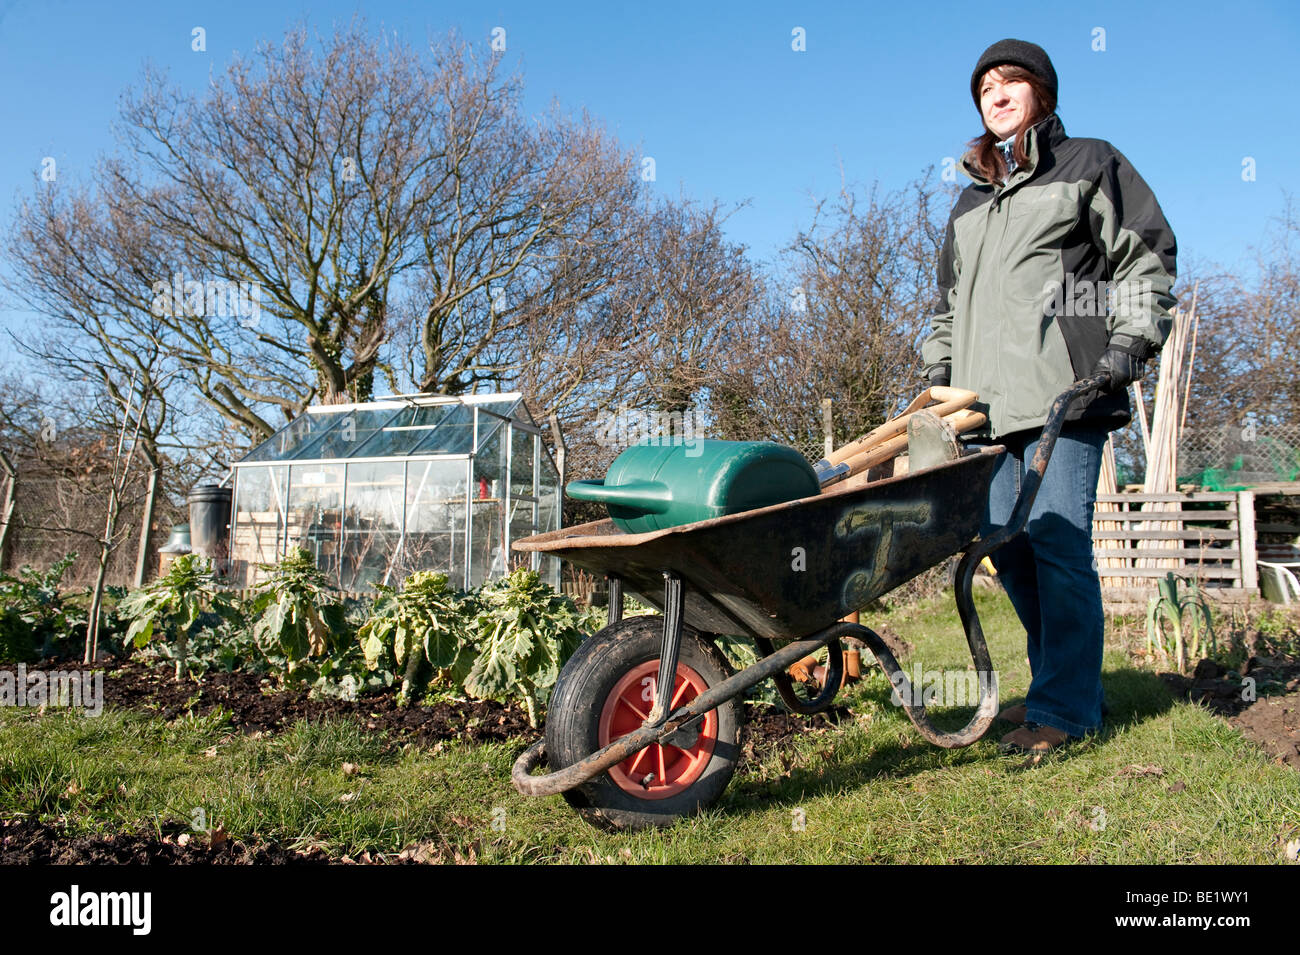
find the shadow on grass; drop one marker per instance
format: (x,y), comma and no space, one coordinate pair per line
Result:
(1133,697)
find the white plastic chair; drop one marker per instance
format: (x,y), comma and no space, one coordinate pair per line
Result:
(1277,583)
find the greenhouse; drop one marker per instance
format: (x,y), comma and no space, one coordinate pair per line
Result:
(379,490)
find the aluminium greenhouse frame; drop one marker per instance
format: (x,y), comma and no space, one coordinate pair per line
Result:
(320,479)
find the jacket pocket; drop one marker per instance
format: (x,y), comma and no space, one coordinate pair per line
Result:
(1044,215)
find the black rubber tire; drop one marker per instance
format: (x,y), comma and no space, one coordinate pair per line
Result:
(572,724)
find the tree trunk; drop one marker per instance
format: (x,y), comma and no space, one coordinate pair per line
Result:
(97,594)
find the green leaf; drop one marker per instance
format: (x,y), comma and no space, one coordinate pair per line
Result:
(399,644)
(493,674)
(441,645)
(140,632)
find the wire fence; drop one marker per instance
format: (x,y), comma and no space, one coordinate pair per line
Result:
(1240,454)
(58,510)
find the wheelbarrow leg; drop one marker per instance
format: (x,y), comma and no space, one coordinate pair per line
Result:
(785,686)
(913,703)
(674,599)
(615,598)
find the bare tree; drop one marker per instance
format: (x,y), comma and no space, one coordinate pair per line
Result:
(1247,362)
(346,188)
(82,268)
(651,335)
(843,319)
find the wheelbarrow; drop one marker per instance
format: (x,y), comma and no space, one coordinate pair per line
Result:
(643,725)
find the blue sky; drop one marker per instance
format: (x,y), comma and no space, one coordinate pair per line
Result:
(716,94)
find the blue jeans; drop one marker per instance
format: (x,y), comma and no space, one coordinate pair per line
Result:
(1050,574)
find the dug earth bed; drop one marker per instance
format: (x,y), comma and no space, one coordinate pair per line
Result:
(1271,720)
(29,842)
(255,707)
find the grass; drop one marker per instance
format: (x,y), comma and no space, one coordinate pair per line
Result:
(1167,782)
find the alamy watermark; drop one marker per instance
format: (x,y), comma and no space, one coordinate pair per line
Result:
(214,298)
(1092,299)
(76,689)
(942,687)
(629,426)
(133,910)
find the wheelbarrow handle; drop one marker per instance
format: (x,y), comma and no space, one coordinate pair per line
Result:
(988,696)
(1042,455)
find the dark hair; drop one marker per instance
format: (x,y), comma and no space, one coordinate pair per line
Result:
(988,158)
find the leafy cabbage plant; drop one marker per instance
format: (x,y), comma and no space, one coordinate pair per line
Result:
(505,641)
(525,633)
(298,616)
(171,609)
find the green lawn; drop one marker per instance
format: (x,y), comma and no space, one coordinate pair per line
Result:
(1166,783)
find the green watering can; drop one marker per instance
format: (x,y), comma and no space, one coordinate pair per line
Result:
(653,485)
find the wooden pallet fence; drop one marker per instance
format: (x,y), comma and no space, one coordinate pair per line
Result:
(1106,503)
(1206,536)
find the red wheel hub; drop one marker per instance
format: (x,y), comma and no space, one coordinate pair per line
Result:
(658,771)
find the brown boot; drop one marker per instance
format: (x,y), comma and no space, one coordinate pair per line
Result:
(1013,714)
(1034,738)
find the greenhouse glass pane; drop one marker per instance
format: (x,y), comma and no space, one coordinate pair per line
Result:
(488,425)
(488,553)
(354,428)
(259,521)
(548,504)
(454,434)
(435,519)
(490,466)
(505,409)
(521,462)
(315,515)
(372,524)
(549,497)
(523,523)
(404,432)
(549,568)
(290,439)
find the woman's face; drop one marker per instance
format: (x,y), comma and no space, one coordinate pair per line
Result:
(1006,104)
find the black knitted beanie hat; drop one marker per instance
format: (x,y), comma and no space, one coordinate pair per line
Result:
(1020,53)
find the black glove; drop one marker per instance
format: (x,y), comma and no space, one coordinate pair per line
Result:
(1124,361)
(939,375)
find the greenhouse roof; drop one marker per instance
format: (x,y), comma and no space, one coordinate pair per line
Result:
(396,426)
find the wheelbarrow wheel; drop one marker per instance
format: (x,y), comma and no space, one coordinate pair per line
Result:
(605,691)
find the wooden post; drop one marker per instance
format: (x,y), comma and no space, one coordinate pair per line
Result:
(558,438)
(146,526)
(826,428)
(7,509)
(1246,539)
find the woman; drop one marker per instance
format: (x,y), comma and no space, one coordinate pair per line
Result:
(1057,264)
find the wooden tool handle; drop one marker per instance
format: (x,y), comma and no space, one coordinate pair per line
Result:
(961,421)
(966,420)
(950,400)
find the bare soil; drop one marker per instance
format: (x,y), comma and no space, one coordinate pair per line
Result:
(1268,714)
(255,706)
(28,842)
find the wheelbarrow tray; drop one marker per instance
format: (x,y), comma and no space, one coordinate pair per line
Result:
(788,570)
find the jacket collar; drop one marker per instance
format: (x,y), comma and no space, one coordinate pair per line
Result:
(1041,138)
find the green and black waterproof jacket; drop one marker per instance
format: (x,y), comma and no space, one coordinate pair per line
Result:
(1037,274)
